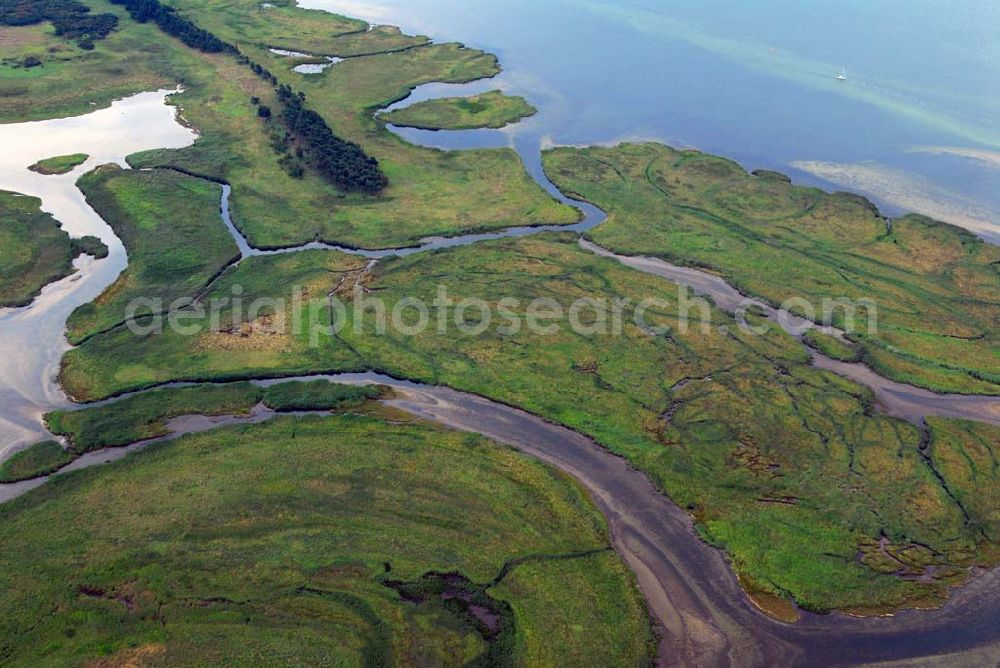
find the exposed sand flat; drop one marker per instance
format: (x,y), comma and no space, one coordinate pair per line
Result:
(910,192)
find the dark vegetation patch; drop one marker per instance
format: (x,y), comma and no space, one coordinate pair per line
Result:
(170,22)
(89,246)
(342,163)
(472,604)
(70,19)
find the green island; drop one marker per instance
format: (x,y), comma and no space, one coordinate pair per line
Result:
(934,285)
(34,250)
(365,536)
(316,541)
(34,461)
(62,164)
(488,110)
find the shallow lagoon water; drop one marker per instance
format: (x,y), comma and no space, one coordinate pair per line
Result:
(32,339)
(307,68)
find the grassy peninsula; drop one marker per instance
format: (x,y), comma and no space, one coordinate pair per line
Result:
(34,251)
(488,110)
(934,285)
(144,416)
(35,460)
(176,241)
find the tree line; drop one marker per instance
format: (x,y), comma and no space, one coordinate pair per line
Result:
(172,23)
(70,18)
(338,161)
(342,162)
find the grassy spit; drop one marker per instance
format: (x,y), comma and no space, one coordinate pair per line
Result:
(34,461)
(170,226)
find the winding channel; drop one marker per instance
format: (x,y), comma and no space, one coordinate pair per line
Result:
(704,616)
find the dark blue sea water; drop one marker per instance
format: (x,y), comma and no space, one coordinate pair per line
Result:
(916,125)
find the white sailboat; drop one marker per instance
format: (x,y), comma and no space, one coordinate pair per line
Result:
(842,76)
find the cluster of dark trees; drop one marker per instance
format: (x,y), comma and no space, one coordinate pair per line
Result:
(342,162)
(70,18)
(259,71)
(338,161)
(170,22)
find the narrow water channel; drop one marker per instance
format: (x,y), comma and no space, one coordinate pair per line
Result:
(894,398)
(704,617)
(32,339)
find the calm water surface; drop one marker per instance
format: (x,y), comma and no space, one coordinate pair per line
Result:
(917,124)
(32,339)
